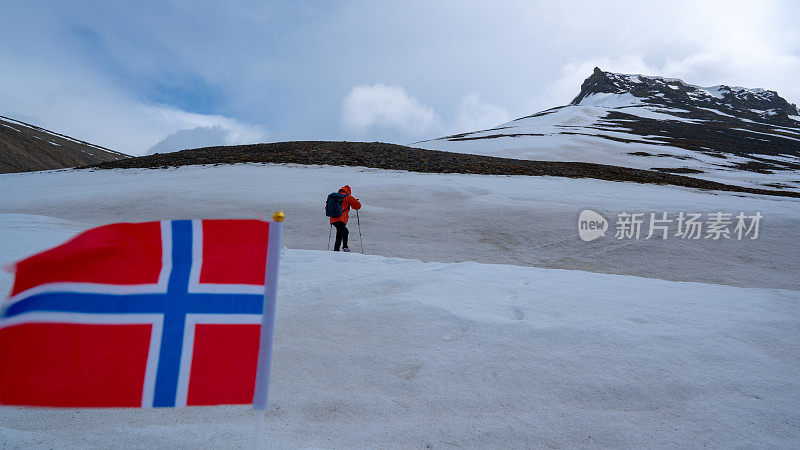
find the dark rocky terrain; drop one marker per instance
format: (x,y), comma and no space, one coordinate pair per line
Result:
(26,148)
(754,104)
(397,157)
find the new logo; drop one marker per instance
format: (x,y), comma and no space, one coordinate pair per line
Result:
(591,225)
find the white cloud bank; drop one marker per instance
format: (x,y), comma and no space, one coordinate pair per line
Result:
(201,130)
(191,138)
(112,119)
(79,102)
(369,110)
(387,107)
(472,114)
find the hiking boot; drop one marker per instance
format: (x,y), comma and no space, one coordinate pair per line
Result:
(346,249)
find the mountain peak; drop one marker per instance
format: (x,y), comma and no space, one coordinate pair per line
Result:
(597,83)
(650,122)
(758,103)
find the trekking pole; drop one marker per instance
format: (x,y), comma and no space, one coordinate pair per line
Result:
(329,237)
(358,219)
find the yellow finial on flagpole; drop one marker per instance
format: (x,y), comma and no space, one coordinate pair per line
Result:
(278,216)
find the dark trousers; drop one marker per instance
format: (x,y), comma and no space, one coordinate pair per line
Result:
(341,235)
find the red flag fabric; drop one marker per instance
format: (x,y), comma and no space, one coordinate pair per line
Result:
(138,315)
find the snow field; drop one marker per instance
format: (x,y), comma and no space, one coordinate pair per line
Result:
(434,217)
(386,352)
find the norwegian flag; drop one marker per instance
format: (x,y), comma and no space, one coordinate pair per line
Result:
(143,314)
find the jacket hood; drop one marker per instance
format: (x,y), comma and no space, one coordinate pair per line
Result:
(345,190)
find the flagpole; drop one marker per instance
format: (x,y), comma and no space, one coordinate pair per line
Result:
(268,319)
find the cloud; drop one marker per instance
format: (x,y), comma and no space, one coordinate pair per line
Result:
(201,130)
(388,107)
(78,102)
(731,59)
(370,110)
(474,114)
(192,138)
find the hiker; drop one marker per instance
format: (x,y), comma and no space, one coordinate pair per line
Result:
(337,208)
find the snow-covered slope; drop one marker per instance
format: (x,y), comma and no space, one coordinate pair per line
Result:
(436,217)
(749,137)
(408,354)
(449,352)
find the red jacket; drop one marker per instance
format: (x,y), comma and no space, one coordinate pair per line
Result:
(347,203)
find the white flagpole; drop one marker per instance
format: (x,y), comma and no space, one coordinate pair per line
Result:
(268,321)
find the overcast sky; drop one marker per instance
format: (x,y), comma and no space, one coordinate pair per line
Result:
(141,76)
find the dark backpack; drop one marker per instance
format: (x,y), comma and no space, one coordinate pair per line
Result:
(333,206)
